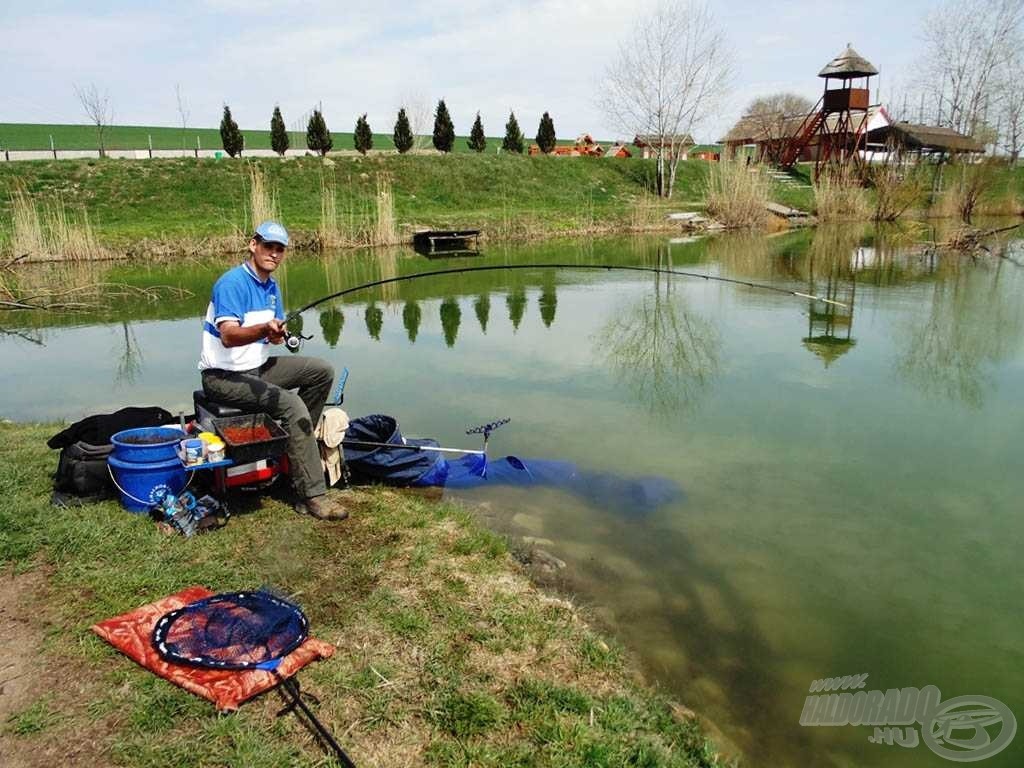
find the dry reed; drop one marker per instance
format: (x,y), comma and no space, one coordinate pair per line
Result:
(737,194)
(385,232)
(27,235)
(72,241)
(329,233)
(262,201)
(839,196)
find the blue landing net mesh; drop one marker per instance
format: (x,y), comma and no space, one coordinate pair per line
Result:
(239,630)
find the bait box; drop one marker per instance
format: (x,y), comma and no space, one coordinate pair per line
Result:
(242,453)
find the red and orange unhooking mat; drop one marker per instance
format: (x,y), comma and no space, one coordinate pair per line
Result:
(132,634)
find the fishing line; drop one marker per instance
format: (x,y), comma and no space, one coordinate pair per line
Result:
(606,267)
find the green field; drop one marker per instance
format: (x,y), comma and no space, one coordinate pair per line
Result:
(36,136)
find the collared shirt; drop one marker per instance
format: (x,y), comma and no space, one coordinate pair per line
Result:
(239,295)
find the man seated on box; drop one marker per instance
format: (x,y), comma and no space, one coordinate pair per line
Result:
(244,318)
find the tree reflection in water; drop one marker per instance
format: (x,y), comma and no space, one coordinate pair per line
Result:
(482,307)
(975,319)
(664,353)
(129,363)
(516,302)
(411,316)
(451,316)
(374,317)
(331,322)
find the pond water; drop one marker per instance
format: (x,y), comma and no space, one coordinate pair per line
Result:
(852,475)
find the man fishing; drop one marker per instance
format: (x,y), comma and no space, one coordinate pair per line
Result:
(244,318)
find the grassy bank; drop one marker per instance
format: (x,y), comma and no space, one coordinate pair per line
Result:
(446,654)
(150,206)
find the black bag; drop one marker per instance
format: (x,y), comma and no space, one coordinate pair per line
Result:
(82,471)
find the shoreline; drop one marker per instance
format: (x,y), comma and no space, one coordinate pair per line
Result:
(445,646)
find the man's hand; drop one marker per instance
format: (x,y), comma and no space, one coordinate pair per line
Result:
(275,331)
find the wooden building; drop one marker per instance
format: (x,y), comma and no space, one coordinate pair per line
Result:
(648,145)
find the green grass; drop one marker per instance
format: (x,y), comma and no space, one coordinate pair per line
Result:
(187,200)
(446,655)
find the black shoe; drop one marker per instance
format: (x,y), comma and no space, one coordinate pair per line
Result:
(321,508)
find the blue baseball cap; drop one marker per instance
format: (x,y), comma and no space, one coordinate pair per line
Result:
(272,232)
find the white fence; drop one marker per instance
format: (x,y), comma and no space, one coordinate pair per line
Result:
(13,155)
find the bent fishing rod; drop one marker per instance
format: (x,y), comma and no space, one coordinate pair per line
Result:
(294,340)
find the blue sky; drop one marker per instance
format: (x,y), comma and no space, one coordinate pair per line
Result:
(530,56)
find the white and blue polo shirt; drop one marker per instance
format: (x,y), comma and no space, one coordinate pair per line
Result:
(239,295)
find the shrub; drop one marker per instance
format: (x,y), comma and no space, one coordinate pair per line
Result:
(546,134)
(444,131)
(318,138)
(279,140)
(363,137)
(513,136)
(403,137)
(477,141)
(230,136)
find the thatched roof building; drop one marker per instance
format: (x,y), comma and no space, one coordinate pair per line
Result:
(927,139)
(848,64)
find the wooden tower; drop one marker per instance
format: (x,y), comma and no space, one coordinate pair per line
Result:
(838,124)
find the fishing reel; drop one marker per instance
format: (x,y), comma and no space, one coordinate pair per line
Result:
(294,341)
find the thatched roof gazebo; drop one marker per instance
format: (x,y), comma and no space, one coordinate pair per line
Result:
(847,65)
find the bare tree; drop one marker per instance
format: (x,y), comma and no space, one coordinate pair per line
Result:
(97,107)
(183,113)
(668,78)
(1011,112)
(768,115)
(968,44)
(421,116)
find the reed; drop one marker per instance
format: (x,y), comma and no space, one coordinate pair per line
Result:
(262,200)
(839,196)
(737,194)
(385,231)
(329,232)
(70,240)
(644,212)
(27,238)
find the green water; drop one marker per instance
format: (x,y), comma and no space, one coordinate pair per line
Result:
(852,475)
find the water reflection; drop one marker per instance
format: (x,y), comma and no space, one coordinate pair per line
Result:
(451,316)
(970,324)
(332,320)
(374,317)
(548,299)
(482,308)
(661,350)
(130,361)
(411,316)
(516,303)
(830,322)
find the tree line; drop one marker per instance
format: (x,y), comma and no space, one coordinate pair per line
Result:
(319,140)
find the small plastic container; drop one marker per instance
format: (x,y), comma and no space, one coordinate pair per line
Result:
(194,453)
(215,450)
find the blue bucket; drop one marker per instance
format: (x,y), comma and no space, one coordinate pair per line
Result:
(146,445)
(143,484)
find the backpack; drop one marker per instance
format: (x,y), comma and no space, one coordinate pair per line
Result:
(82,471)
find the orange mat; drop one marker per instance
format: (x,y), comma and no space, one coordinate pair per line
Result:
(132,634)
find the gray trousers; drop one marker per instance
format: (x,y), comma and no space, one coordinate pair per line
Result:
(268,389)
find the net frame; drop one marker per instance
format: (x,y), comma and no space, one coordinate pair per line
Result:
(278,641)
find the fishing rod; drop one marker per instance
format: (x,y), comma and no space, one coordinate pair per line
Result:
(494,267)
(483,429)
